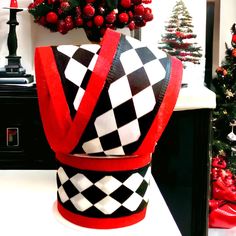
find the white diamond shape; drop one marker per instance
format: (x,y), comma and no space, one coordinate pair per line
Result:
(92,146)
(134,42)
(68,50)
(119,91)
(152,74)
(159,54)
(62,175)
(114,151)
(107,205)
(108,184)
(144,101)
(130,61)
(133,202)
(81,182)
(78,98)
(129,133)
(147,176)
(75,72)
(106,123)
(62,194)
(80,202)
(134,181)
(91,47)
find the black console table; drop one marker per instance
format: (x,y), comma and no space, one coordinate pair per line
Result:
(181,166)
(23,144)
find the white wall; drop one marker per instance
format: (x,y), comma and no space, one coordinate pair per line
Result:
(151,33)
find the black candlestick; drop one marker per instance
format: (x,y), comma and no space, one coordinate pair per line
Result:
(13,72)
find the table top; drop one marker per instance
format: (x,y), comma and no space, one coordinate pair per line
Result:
(28,207)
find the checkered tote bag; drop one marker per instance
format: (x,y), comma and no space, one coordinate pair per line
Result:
(103,108)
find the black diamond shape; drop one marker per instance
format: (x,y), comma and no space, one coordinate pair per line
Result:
(122,176)
(142,188)
(116,72)
(122,211)
(83,56)
(121,194)
(94,194)
(138,80)
(111,140)
(70,189)
(142,205)
(86,79)
(164,61)
(93,212)
(143,170)
(145,54)
(125,113)
(157,88)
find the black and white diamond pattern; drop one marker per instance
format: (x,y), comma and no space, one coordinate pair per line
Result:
(78,67)
(129,101)
(103,194)
(131,95)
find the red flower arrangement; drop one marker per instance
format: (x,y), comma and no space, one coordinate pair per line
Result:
(94,16)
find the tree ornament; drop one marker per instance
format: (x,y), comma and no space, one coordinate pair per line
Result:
(234,52)
(98,20)
(51,17)
(123,17)
(89,11)
(125,3)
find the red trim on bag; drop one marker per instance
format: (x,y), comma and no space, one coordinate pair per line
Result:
(101,223)
(62,133)
(166,109)
(52,102)
(95,86)
(104,164)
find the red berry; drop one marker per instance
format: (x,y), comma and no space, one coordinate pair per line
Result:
(42,20)
(89,23)
(111,17)
(131,25)
(98,20)
(147,10)
(148,17)
(51,17)
(90,1)
(79,21)
(139,9)
(136,2)
(123,17)
(130,13)
(146,1)
(89,10)
(234,38)
(61,27)
(125,3)
(65,6)
(51,1)
(78,11)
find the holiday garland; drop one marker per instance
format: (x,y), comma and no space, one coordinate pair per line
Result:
(94,16)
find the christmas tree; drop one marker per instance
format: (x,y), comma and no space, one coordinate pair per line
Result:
(222,205)
(179,37)
(224,116)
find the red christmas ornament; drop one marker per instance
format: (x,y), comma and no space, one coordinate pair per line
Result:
(98,20)
(148,16)
(51,17)
(233,52)
(139,10)
(61,27)
(65,6)
(125,3)
(89,10)
(111,17)
(234,38)
(123,17)
(79,21)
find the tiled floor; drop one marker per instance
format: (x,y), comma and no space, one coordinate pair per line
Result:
(222,232)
